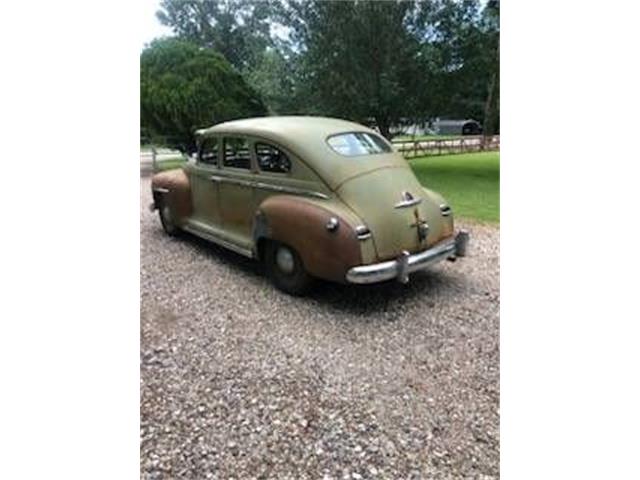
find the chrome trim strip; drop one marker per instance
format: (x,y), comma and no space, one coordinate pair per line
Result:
(217,240)
(408,203)
(405,264)
(292,190)
(267,186)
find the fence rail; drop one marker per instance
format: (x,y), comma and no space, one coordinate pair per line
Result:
(420,148)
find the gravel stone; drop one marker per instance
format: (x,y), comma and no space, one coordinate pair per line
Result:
(239,380)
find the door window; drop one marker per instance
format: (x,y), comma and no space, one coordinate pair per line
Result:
(236,153)
(271,159)
(209,151)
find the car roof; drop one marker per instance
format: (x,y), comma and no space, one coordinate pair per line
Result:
(305,136)
(278,126)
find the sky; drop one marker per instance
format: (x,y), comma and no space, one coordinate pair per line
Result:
(150,27)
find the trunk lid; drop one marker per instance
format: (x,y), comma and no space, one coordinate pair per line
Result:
(393,204)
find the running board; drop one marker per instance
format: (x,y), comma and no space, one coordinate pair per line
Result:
(198,231)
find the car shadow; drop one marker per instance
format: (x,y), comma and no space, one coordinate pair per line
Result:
(429,285)
(227,257)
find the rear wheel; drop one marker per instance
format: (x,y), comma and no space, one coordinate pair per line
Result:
(166,218)
(285,269)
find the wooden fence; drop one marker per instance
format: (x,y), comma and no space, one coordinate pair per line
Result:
(420,148)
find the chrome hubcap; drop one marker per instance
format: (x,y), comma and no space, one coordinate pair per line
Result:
(284,260)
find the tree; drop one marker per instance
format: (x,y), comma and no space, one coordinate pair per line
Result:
(275,78)
(184,87)
(239,29)
(461,39)
(359,60)
(491,17)
(376,62)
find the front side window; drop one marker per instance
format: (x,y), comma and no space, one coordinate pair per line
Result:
(209,151)
(358,143)
(271,159)
(236,153)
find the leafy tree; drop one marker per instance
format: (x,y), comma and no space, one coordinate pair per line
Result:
(491,22)
(359,61)
(239,29)
(184,87)
(274,76)
(379,62)
(460,38)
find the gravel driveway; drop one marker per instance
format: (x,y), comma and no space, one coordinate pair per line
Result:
(239,380)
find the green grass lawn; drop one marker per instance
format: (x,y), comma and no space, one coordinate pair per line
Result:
(470,182)
(170,164)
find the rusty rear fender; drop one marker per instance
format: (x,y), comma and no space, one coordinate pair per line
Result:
(302,224)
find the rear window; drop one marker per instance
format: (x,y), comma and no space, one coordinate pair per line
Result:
(358,143)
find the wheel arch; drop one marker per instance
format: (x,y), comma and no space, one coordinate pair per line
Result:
(302,224)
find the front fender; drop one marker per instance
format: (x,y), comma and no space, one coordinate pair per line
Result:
(175,188)
(302,224)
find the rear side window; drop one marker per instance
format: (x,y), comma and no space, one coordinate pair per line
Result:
(209,151)
(236,153)
(271,159)
(358,143)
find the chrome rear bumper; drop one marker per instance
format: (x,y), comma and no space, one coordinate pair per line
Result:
(407,263)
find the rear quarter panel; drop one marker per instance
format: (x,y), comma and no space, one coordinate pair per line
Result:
(301,223)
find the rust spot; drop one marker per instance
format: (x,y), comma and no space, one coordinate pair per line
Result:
(302,225)
(179,196)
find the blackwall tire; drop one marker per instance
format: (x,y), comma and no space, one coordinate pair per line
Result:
(166,218)
(285,269)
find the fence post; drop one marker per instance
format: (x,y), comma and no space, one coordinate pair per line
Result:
(153,158)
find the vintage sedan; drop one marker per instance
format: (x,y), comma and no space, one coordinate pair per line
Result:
(309,197)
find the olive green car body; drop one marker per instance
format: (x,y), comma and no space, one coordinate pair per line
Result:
(338,213)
